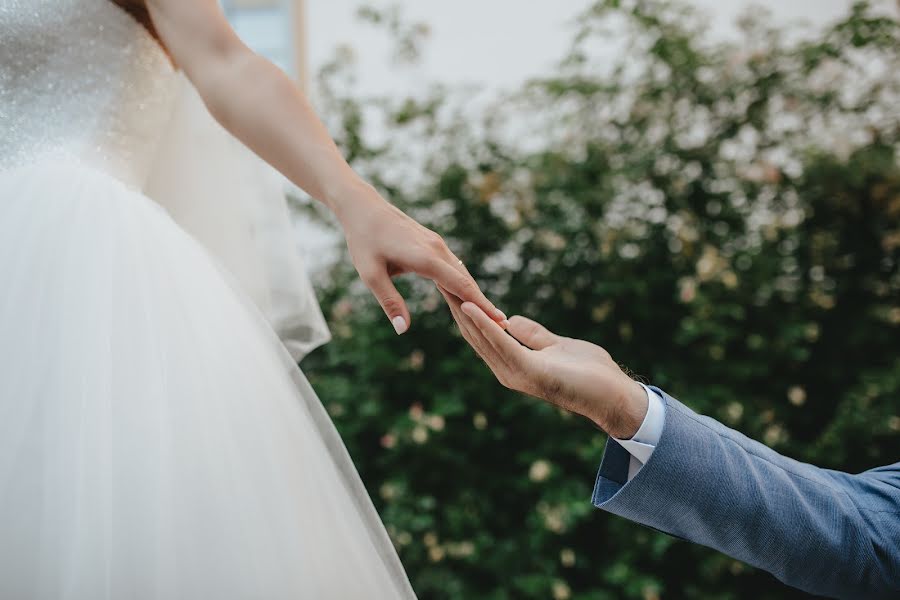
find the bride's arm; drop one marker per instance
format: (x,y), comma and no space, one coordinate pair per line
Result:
(263,108)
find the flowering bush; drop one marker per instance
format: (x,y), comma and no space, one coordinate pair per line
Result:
(724,218)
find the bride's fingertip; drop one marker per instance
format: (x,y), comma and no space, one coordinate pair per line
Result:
(400,325)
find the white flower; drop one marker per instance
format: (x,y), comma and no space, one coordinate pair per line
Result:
(480,421)
(539,471)
(420,435)
(388,491)
(561,591)
(796,395)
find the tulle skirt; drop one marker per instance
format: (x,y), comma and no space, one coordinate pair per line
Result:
(156,439)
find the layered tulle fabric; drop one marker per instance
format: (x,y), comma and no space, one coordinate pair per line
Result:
(157,441)
(234,204)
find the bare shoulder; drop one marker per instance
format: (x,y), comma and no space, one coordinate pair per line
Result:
(196,33)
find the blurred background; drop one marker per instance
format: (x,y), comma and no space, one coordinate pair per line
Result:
(708,189)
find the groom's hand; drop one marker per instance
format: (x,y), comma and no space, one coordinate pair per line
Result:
(572,374)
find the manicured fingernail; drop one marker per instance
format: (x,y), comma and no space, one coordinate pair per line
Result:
(498,314)
(504,324)
(467,307)
(400,325)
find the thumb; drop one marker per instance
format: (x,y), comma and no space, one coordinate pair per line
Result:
(390,300)
(531,333)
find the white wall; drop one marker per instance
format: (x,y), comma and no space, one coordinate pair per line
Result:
(500,43)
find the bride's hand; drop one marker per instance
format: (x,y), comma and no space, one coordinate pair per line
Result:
(385,242)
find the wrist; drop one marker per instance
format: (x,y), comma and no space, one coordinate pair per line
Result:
(628,411)
(346,196)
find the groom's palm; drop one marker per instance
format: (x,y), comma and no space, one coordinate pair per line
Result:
(573,374)
(573,367)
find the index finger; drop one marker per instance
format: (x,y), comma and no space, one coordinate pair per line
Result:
(468,330)
(506,346)
(463,286)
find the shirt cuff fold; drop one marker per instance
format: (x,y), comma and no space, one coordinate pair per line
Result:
(640,446)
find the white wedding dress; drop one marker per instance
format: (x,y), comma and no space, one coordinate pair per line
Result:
(157,440)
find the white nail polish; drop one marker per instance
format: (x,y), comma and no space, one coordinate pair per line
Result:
(399,324)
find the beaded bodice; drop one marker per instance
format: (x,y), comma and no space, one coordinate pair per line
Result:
(81,80)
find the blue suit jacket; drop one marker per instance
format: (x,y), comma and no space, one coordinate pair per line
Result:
(822,531)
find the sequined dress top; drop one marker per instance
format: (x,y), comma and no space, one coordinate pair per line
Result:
(81,80)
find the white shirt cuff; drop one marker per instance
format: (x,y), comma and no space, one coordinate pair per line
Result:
(642,444)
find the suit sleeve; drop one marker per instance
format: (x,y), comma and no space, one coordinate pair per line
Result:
(821,531)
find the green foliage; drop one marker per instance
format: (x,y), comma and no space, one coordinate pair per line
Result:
(723,218)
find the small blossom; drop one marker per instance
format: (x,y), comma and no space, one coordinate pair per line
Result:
(539,471)
(650,593)
(342,309)
(404,538)
(734,412)
(436,422)
(822,299)
(480,421)
(687,289)
(416,412)
(729,279)
(388,440)
(388,491)
(796,395)
(812,332)
(561,591)
(551,240)
(708,264)
(416,360)
(774,434)
(554,517)
(567,557)
(599,313)
(420,435)
(462,549)
(894,315)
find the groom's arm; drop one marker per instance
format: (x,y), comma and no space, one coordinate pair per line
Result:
(688,475)
(822,531)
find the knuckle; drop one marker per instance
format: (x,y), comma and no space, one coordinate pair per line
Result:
(468,286)
(434,241)
(392,303)
(369,275)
